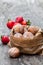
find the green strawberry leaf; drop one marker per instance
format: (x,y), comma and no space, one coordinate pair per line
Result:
(28,22)
(9,19)
(0,37)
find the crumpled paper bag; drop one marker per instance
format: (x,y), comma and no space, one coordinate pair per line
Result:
(28,46)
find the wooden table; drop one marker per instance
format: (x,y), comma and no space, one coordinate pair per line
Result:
(29,10)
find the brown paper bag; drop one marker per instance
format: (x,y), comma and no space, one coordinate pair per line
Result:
(28,46)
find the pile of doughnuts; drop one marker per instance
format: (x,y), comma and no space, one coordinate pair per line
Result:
(25,31)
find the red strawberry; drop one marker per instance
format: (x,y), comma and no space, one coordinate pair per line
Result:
(10,24)
(19,19)
(15,23)
(24,22)
(5,39)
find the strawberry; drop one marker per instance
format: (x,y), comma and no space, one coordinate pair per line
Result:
(15,23)
(5,39)
(24,22)
(19,19)
(10,24)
